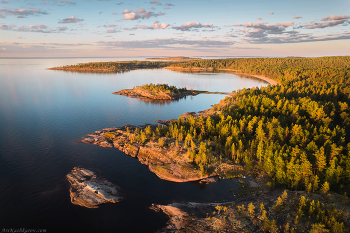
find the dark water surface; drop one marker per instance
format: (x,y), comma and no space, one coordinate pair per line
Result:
(44,111)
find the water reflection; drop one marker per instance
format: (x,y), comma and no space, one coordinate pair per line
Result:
(156,101)
(43,111)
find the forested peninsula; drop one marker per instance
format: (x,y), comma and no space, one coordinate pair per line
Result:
(294,135)
(118,66)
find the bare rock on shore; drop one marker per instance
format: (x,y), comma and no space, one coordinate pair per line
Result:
(182,214)
(169,162)
(90,190)
(145,94)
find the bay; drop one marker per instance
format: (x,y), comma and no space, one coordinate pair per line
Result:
(43,111)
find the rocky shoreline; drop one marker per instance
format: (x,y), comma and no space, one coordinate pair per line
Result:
(275,211)
(147,95)
(170,162)
(189,69)
(90,190)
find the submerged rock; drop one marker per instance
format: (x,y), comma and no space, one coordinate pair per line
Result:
(90,190)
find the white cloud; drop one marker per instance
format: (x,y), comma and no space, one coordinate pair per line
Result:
(156,25)
(156,2)
(190,25)
(139,14)
(21,13)
(336,17)
(330,21)
(71,19)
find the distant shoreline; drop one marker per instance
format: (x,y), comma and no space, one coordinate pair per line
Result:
(237,72)
(179,59)
(271,81)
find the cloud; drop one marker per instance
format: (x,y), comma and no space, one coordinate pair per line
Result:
(159,26)
(330,21)
(21,13)
(156,25)
(113,30)
(33,28)
(323,25)
(171,43)
(37,27)
(68,2)
(5,2)
(20,37)
(62,29)
(139,14)
(7,27)
(271,13)
(298,17)
(119,3)
(259,18)
(336,17)
(39,48)
(55,3)
(168,5)
(155,2)
(126,11)
(110,26)
(264,28)
(299,38)
(190,25)
(263,33)
(71,19)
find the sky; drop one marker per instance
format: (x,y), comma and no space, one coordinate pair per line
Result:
(108,28)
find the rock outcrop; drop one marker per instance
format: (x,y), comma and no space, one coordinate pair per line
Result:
(169,162)
(90,190)
(181,215)
(143,94)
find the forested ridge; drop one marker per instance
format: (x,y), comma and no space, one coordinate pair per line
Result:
(296,132)
(113,66)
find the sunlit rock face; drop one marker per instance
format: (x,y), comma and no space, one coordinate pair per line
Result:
(90,190)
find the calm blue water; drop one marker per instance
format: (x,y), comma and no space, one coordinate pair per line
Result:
(43,111)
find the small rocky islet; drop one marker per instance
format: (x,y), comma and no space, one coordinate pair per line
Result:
(156,92)
(91,190)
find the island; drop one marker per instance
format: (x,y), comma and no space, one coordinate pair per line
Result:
(156,91)
(90,190)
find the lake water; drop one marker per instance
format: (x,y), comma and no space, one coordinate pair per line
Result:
(44,111)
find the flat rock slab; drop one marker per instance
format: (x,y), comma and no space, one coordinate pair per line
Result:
(90,190)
